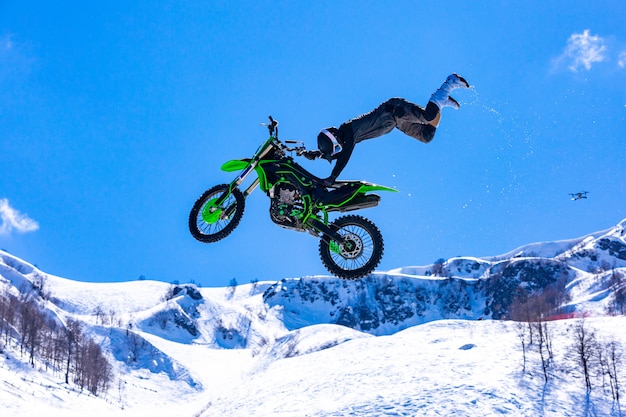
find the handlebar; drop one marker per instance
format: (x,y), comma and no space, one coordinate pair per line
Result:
(299,150)
(272,126)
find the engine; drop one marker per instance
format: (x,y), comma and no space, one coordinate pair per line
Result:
(287,206)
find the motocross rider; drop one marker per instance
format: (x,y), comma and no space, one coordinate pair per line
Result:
(412,119)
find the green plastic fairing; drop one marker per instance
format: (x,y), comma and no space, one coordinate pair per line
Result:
(366,187)
(235,165)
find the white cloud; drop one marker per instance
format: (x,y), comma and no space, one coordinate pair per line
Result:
(582,51)
(621,59)
(11,219)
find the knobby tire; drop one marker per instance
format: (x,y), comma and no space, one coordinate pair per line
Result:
(212,232)
(369,256)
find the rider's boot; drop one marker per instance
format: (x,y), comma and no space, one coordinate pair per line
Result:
(442,98)
(454,81)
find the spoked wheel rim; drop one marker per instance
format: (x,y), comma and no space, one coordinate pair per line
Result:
(355,250)
(209,222)
(359,251)
(213,219)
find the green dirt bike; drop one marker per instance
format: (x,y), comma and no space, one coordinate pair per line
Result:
(350,247)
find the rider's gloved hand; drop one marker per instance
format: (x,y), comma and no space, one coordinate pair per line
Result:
(311,155)
(328,182)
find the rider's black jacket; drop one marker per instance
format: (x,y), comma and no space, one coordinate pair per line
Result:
(346,138)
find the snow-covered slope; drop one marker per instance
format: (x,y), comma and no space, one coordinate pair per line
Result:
(583,269)
(443,368)
(320,345)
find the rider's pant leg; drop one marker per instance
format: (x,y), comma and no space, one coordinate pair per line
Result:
(396,112)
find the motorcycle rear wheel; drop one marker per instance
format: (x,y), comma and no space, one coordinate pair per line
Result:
(209,223)
(358,254)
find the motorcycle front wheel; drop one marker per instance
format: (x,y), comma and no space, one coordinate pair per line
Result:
(209,222)
(358,253)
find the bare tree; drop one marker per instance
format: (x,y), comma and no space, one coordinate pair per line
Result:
(44,338)
(40,286)
(520,329)
(584,348)
(610,359)
(10,315)
(521,310)
(544,346)
(48,343)
(112,315)
(4,307)
(534,329)
(618,300)
(93,371)
(73,333)
(30,327)
(99,313)
(57,346)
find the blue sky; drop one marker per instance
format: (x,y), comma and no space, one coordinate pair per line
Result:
(116,116)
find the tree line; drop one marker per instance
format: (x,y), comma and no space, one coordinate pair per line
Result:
(598,360)
(61,347)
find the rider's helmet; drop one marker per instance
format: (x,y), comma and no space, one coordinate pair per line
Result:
(329,143)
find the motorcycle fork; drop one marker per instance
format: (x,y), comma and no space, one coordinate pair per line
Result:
(251,188)
(230,209)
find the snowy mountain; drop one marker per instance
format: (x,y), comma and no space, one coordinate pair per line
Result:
(428,340)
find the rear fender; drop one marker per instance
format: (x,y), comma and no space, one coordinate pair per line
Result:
(352,194)
(367,187)
(363,187)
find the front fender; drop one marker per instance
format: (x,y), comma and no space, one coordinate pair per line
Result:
(236,165)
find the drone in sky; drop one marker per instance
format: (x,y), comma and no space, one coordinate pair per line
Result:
(580,195)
